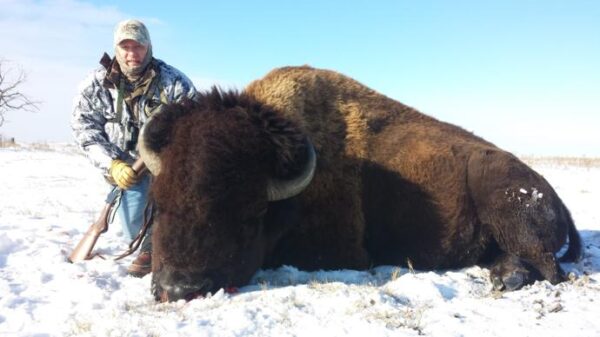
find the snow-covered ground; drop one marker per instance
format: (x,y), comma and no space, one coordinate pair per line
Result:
(48,198)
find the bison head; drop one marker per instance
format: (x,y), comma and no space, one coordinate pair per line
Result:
(219,164)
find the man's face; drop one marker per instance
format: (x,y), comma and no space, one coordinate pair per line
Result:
(132,52)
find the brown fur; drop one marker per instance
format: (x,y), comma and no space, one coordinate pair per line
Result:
(391,184)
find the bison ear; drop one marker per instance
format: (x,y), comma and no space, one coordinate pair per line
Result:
(157,132)
(293,156)
(287,142)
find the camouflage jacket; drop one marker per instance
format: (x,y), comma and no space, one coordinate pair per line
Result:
(96,125)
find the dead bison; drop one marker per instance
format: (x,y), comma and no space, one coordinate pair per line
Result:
(308,167)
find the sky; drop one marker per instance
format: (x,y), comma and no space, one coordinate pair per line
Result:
(523,74)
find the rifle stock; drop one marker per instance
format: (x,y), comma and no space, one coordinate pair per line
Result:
(85,246)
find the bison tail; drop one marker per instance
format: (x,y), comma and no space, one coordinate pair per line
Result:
(573,253)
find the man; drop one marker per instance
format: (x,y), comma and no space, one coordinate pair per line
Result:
(112,105)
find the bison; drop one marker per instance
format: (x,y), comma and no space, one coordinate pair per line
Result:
(310,168)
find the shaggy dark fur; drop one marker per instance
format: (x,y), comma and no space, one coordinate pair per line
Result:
(391,185)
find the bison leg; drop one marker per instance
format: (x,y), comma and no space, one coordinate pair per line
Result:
(524,215)
(510,272)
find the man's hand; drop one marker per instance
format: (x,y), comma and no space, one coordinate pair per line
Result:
(122,173)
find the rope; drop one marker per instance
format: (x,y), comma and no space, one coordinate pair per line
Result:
(115,206)
(137,241)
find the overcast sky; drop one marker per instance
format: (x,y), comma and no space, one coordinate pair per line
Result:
(523,74)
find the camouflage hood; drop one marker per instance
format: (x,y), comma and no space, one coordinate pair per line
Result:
(132,30)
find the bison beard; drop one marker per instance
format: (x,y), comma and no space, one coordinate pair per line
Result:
(390,185)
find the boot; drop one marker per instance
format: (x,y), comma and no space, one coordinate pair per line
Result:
(142,265)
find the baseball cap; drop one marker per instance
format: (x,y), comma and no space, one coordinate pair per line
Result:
(131,29)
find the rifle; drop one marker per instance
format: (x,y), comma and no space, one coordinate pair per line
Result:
(84,248)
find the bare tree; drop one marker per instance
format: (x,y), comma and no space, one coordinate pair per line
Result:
(11,98)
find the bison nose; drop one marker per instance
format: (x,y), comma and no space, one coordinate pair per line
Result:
(176,285)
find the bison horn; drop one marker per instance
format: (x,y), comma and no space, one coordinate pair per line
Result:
(279,189)
(149,157)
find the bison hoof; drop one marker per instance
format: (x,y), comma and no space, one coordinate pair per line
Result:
(511,282)
(497,283)
(511,273)
(514,281)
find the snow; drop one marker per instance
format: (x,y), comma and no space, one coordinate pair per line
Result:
(50,196)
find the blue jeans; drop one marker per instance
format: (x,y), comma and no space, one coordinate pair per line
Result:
(131,207)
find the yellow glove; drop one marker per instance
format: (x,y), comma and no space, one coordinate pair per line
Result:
(122,173)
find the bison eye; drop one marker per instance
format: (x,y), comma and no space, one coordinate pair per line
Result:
(254,214)
(262,212)
(252,221)
(256,218)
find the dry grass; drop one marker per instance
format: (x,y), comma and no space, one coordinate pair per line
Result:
(562,161)
(585,162)
(396,273)
(69,148)
(8,143)
(40,146)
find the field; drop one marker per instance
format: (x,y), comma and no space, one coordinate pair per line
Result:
(50,194)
